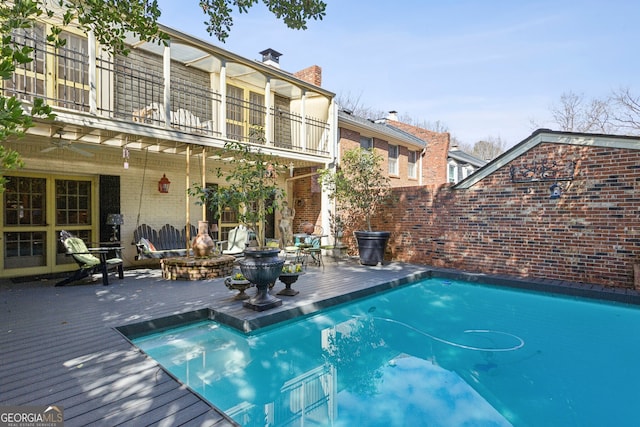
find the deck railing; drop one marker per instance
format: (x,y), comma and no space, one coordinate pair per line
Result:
(133,89)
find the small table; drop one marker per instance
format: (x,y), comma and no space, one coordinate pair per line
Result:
(113,246)
(104,250)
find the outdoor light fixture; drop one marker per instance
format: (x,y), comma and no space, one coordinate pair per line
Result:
(163,184)
(125,157)
(115,220)
(291,167)
(556,191)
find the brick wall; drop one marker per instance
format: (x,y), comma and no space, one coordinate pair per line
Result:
(306,202)
(590,234)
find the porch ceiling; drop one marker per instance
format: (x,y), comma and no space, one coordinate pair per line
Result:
(73,128)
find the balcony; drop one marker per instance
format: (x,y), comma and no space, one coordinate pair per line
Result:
(189,89)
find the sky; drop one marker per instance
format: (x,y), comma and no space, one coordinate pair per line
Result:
(483,68)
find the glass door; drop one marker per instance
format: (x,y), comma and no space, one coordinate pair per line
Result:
(35,210)
(25,222)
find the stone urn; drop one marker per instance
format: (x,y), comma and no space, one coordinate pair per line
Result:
(203,243)
(237,283)
(289,278)
(262,266)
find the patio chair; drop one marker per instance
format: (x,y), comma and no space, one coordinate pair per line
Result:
(237,242)
(310,246)
(89,260)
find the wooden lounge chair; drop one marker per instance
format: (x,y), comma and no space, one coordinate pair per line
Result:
(90,260)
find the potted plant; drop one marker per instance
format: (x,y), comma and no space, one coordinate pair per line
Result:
(251,189)
(288,276)
(239,283)
(360,186)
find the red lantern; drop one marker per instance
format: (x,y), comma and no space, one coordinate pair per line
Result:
(163,184)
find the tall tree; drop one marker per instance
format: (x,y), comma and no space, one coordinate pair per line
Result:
(627,114)
(489,148)
(354,104)
(618,113)
(110,21)
(575,113)
(485,149)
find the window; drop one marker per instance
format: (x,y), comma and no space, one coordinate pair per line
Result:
(453,173)
(24,201)
(73,202)
(257,115)
(72,80)
(245,117)
(393,160)
(56,73)
(29,79)
(412,171)
(235,113)
(366,143)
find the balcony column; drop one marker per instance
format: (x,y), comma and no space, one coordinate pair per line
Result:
(268,123)
(303,121)
(91,44)
(332,143)
(222,114)
(166,71)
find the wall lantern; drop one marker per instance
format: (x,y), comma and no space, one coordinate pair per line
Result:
(163,184)
(556,191)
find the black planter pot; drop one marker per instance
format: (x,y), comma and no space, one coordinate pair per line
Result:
(262,266)
(371,245)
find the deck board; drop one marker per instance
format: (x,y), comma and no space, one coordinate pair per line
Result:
(59,345)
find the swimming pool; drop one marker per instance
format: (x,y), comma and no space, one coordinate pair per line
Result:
(437,352)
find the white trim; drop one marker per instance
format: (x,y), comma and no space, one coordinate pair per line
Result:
(539,137)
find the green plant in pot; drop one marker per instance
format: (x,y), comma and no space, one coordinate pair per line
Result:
(252,191)
(360,187)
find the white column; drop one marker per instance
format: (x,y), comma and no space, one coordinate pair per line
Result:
(204,180)
(303,121)
(222,120)
(268,124)
(166,71)
(93,104)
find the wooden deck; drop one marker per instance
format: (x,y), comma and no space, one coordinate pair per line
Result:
(60,347)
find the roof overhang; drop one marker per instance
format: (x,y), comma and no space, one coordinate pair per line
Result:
(554,137)
(199,54)
(378,130)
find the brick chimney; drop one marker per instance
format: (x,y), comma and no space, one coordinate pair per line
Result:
(311,75)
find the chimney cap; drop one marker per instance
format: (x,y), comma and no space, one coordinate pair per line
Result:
(270,55)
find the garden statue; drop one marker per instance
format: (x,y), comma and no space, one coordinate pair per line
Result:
(286,224)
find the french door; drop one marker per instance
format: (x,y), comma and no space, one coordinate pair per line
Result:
(35,209)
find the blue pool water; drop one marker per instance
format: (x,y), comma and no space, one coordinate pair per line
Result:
(435,353)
